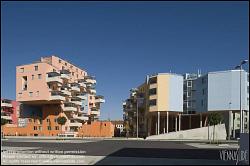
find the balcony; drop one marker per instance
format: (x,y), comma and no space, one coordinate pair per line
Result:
(75,124)
(57,95)
(56,79)
(82,96)
(76,102)
(6,103)
(85,118)
(90,79)
(7,117)
(65,74)
(82,85)
(66,92)
(95,113)
(68,107)
(92,91)
(99,99)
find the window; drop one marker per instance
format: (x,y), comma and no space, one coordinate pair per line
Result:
(48,120)
(90,97)
(30,94)
(188,94)
(153,80)
(60,60)
(19,95)
(152,91)
(54,70)
(24,83)
(189,83)
(202,103)
(66,64)
(21,70)
(72,73)
(77,76)
(32,77)
(36,68)
(49,127)
(203,91)
(57,128)
(63,67)
(152,102)
(39,76)
(71,66)
(40,128)
(55,120)
(37,93)
(35,127)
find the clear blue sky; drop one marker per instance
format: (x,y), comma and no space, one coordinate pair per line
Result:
(121,42)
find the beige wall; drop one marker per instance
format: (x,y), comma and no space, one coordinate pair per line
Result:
(162,94)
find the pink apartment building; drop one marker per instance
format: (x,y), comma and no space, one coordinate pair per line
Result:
(10,111)
(53,87)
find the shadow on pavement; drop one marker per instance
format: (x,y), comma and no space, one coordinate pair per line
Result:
(153,155)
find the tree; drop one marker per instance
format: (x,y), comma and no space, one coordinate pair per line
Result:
(61,121)
(3,122)
(127,128)
(214,119)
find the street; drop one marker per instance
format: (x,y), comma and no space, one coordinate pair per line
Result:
(102,152)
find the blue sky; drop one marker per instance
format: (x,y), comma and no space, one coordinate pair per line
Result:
(121,42)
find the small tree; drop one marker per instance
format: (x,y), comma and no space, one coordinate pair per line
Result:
(214,119)
(61,121)
(127,128)
(3,122)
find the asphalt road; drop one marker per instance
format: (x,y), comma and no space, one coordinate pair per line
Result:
(126,150)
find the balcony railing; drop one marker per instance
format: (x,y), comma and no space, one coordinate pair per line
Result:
(6,103)
(6,117)
(82,85)
(82,96)
(75,124)
(93,91)
(65,76)
(100,100)
(95,112)
(57,95)
(69,107)
(66,92)
(77,102)
(54,79)
(75,88)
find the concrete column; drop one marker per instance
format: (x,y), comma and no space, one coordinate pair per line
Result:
(167,121)
(158,128)
(164,125)
(190,122)
(175,123)
(229,125)
(179,122)
(200,120)
(233,125)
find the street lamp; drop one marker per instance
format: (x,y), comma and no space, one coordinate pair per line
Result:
(241,114)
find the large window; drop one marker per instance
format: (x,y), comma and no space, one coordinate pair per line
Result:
(39,76)
(24,83)
(152,91)
(152,102)
(153,80)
